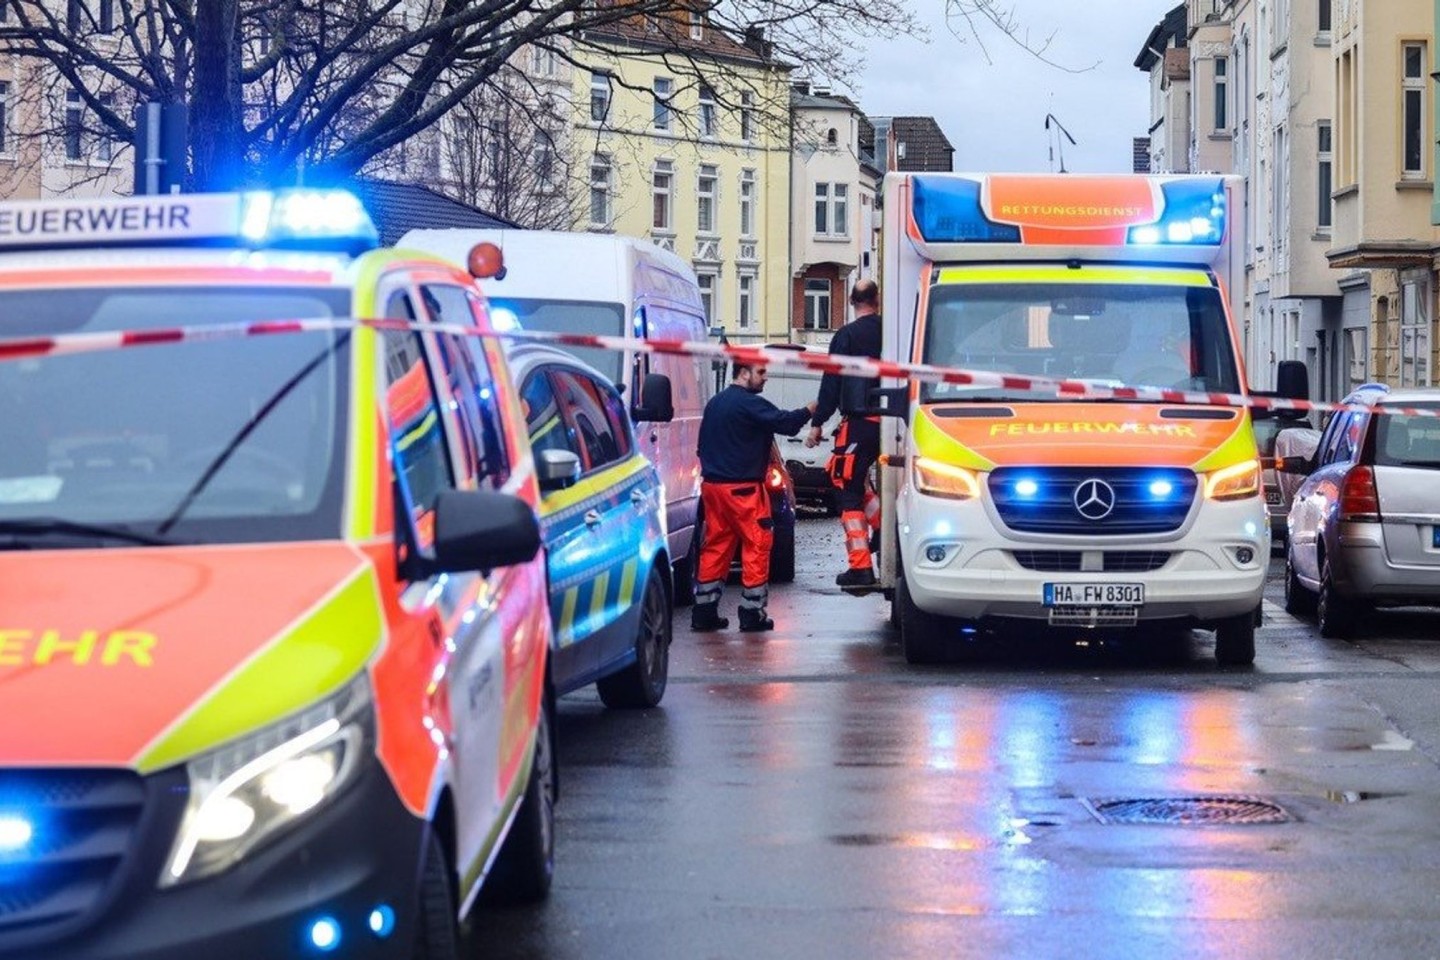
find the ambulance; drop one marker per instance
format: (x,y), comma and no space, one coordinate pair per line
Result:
(273,630)
(1010,503)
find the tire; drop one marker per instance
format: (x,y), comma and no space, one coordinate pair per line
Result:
(437,933)
(1235,641)
(1334,613)
(782,557)
(642,684)
(1299,602)
(526,865)
(922,635)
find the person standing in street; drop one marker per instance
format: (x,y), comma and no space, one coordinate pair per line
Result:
(857,441)
(736,433)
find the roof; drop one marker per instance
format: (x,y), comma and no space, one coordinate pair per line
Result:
(1171,27)
(926,147)
(669,32)
(815,101)
(400,207)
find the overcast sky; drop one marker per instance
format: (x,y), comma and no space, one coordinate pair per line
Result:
(994,113)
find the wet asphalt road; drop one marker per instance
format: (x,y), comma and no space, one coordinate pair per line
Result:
(809,794)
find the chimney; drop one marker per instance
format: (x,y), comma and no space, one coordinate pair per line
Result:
(755,41)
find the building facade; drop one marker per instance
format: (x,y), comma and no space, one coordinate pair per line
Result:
(1164,57)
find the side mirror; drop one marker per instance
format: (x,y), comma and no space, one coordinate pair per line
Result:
(1292,380)
(482,530)
(889,402)
(1300,466)
(657,400)
(556,469)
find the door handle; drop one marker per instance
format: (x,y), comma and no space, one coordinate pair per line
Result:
(592,518)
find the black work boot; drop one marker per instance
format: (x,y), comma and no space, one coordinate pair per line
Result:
(753,620)
(856,578)
(705,617)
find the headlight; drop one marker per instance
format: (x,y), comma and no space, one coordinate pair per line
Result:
(242,794)
(1234,483)
(944,480)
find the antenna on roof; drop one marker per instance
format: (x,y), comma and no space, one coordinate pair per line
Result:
(1058,142)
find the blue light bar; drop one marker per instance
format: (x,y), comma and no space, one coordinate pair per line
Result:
(307,220)
(1193,214)
(16,832)
(947,210)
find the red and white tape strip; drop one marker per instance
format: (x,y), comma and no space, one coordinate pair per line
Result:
(64,344)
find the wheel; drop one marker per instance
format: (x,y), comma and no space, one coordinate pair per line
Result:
(526,863)
(437,935)
(922,635)
(1334,614)
(1235,640)
(782,556)
(642,684)
(1298,601)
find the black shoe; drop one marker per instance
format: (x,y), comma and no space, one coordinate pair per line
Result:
(705,617)
(856,578)
(754,621)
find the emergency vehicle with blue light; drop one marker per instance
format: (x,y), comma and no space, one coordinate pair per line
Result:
(273,631)
(1013,503)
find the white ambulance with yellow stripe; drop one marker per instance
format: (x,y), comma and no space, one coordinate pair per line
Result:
(1009,502)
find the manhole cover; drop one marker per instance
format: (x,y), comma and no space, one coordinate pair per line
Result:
(1199,811)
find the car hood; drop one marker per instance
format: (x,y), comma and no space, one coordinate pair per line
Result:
(985,436)
(145,657)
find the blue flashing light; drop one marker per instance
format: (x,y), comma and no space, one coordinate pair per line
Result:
(325,934)
(1193,214)
(1161,489)
(16,832)
(1026,489)
(948,211)
(307,219)
(503,319)
(382,921)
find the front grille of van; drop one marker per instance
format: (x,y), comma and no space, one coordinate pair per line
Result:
(1141,499)
(67,833)
(1111,561)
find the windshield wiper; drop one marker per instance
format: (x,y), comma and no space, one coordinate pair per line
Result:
(15,533)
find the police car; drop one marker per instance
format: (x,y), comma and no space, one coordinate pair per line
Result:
(273,643)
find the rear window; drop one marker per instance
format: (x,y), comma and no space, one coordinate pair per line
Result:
(1402,441)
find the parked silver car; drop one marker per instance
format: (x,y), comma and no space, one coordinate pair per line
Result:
(1364,529)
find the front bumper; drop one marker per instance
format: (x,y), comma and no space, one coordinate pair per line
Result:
(359,851)
(1201,581)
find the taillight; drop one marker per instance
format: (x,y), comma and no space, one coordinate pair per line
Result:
(776,479)
(1359,500)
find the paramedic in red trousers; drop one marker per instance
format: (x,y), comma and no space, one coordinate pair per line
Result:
(857,441)
(736,434)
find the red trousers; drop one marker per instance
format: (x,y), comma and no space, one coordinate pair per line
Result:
(736,515)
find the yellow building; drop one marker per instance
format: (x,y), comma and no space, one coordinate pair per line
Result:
(685,136)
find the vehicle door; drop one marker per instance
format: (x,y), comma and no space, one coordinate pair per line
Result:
(619,484)
(671,447)
(445,435)
(571,533)
(1318,499)
(1406,461)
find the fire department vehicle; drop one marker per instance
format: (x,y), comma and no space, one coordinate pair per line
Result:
(273,631)
(1015,503)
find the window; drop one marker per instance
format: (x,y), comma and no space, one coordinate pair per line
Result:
(600,190)
(1324,16)
(708,124)
(543,422)
(840,210)
(707,294)
(822,209)
(747,203)
(1414,332)
(544,61)
(663,88)
(697,26)
(545,164)
(4,114)
(74,117)
(1279,190)
(105,145)
(599,97)
(745,303)
(1222,68)
(747,116)
(470,389)
(1356,356)
(817,304)
(1412,115)
(422,462)
(496,135)
(586,406)
(705,200)
(1326,161)
(663,179)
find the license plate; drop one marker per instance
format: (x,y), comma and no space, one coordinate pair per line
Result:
(1435,537)
(1094,594)
(1272,496)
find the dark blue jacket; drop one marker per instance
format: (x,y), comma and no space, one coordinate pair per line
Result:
(737,431)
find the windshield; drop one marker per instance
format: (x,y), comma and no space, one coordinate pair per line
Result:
(573,316)
(1403,441)
(1118,334)
(231,441)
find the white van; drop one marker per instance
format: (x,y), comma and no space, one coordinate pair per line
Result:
(612,285)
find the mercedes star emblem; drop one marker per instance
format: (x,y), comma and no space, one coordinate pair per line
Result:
(1094,499)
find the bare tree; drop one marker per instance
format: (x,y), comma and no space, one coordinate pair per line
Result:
(283,89)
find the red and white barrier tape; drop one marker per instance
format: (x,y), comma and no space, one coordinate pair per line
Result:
(73,343)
